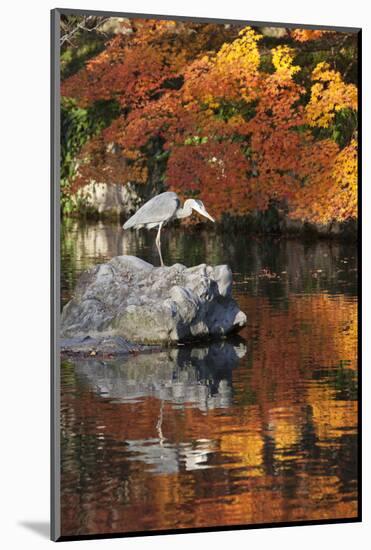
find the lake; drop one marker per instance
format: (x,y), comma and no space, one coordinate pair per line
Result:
(261,428)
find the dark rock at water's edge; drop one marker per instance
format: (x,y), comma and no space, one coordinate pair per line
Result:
(130,298)
(104,346)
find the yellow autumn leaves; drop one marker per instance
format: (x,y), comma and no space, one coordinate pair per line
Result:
(329,94)
(282,59)
(244,50)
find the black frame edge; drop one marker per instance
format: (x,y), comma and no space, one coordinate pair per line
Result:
(190,530)
(55,276)
(359,272)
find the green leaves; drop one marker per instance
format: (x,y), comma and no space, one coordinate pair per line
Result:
(196,140)
(228,109)
(78,125)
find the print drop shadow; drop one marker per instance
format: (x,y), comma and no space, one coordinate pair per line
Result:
(42,528)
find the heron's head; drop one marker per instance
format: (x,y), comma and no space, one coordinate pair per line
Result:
(198,206)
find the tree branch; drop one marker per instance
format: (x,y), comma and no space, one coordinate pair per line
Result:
(83,26)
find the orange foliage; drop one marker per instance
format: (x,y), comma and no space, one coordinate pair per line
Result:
(234,135)
(136,64)
(216,169)
(305,35)
(333,194)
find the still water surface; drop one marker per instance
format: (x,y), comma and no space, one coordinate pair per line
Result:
(254,430)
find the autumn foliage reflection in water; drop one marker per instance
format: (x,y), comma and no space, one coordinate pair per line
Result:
(267,434)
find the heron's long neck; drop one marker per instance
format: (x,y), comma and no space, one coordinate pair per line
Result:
(184,212)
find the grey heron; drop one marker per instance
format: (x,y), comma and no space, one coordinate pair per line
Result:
(160,210)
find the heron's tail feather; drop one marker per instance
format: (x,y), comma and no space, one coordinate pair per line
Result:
(129,223)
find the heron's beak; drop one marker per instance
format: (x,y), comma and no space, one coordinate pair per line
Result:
(204,213)
(202,210)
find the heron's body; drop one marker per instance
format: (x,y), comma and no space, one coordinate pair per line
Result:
(160,210)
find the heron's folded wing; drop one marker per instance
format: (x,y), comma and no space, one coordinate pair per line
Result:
(158,209)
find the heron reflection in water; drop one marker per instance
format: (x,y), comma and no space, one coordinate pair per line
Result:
(162,209)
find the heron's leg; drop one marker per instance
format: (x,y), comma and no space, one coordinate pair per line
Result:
(158,243)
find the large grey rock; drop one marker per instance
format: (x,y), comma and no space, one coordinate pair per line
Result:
(131,298)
